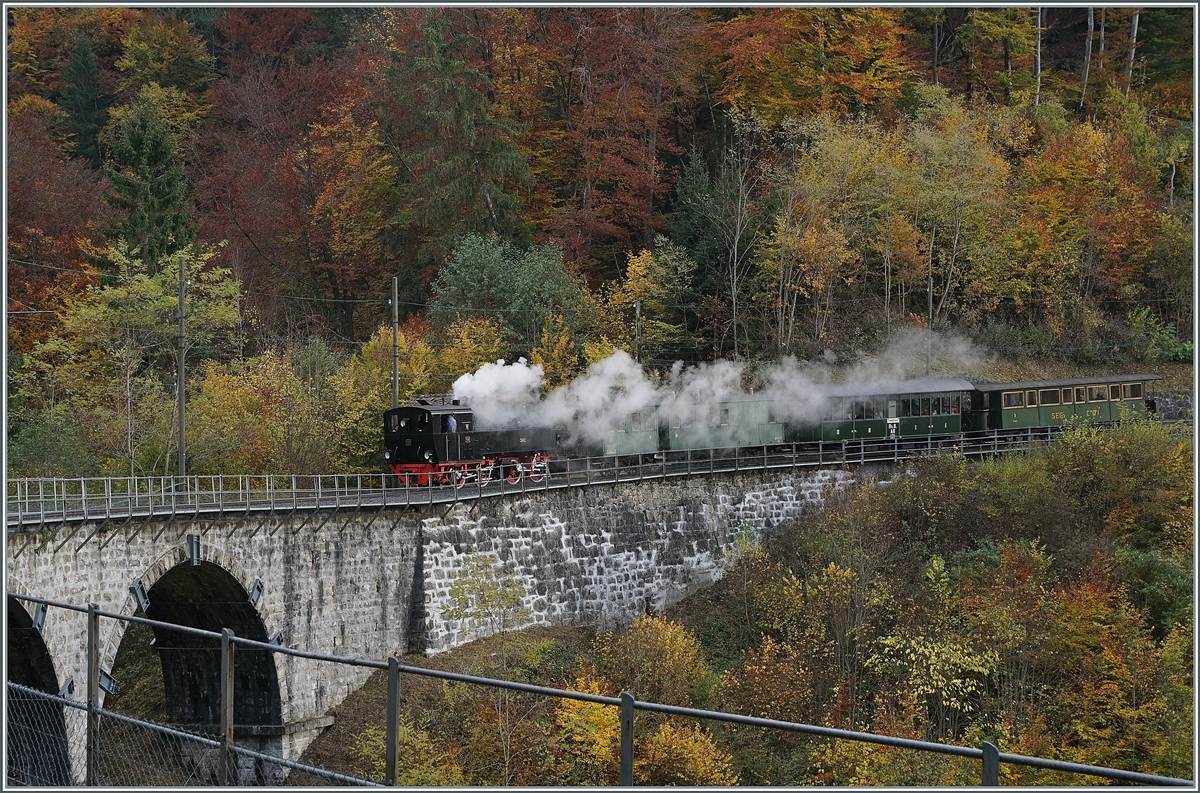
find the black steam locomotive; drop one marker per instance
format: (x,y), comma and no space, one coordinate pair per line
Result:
(437,443)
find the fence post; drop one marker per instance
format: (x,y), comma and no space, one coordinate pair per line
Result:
(227,651)
(991,764)
(626,739)
(391,761)
(93,695)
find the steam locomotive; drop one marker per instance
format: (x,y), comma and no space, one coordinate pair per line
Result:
(436,443)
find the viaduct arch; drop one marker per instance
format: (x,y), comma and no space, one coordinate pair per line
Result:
(37,731)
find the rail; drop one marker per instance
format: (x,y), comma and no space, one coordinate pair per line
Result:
(988,754)
(35,504)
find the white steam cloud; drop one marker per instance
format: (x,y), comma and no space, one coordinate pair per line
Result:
(503,394)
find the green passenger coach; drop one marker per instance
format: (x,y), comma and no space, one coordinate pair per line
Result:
(747,422)
(1052,403)
(932,406)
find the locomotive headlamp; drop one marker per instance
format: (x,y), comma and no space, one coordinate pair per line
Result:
(387,455)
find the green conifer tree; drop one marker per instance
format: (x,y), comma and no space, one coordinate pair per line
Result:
(83,100)
(149,188)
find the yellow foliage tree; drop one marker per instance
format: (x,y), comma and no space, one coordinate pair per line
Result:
(682,755)
(556,352)
(590,735)
(419,761)
(362,391)
(259,418)
(656,659)
(468,344)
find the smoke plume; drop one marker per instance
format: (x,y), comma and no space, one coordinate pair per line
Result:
(609,390)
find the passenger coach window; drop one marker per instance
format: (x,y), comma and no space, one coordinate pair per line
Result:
(1066,396)
(637,422)
(892,408)
(924,406)
(1132,391)
(1050,397)
(1097,393)
(1014,399)
(1031,399)
(1079,396)
(675,422)
(954,405)
(905,410)
(724,417)
(1114,392)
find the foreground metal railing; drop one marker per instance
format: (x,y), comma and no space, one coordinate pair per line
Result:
(34,503)
(46,730)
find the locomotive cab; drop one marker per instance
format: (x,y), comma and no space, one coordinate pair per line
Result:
(427,435)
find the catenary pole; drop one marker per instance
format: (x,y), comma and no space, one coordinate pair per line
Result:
(395,342)
(181,468)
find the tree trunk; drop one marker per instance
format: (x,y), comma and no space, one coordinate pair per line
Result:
(1132,51)
(936,32)
(1100,55)
(887,277)
(953,257)
(929,298)
(1087,54)
(1037,94)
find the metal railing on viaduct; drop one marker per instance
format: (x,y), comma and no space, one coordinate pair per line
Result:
(48,733)
(36,503)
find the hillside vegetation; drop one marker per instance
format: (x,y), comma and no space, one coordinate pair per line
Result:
(755,184)
(1040,600)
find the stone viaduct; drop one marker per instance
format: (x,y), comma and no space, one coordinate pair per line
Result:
(370,584)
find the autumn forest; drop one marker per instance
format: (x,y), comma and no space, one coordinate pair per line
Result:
(751,183)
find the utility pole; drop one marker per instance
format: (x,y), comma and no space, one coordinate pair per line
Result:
(181,468)
(637,338)
(395,342)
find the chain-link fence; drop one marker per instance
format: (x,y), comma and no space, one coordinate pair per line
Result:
(44,731)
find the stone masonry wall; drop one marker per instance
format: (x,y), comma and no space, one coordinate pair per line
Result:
(608,554)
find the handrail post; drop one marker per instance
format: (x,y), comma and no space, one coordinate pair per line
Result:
(227,651)
(391,761)
(91,774)
(626,779)
(991,765)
